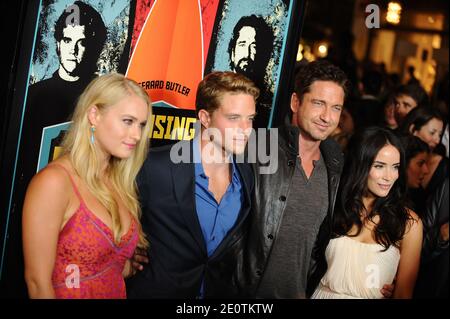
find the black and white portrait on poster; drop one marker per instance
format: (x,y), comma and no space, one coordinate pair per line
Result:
(250,38)
(75,41)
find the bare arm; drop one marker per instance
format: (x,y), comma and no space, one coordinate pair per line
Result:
(45,204)
(410,249)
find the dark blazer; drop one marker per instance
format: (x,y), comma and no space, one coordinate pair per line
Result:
(432,280)
(177,253)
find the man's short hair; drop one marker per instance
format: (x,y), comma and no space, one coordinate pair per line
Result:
(319,70)
(216,84)
(415,91)
(95,29)
(264,38)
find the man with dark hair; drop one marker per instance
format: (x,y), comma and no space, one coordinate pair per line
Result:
(79,41)
(251,46)
(290,224)
(291,204)
(250,49)
(406,98)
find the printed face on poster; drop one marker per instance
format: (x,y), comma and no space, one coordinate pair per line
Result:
(74,43)
(250,38)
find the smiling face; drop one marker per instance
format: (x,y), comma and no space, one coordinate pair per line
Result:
(119,127)
(431,132)
(417,169)
(317,113)
(232,121)
(384,172)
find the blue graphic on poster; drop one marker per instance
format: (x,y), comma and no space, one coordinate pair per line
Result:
(52,137)
(75,41)
(115,16)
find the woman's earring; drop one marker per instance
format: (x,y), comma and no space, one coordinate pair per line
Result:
(92,134)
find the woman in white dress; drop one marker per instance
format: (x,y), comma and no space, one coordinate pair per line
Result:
(376,239)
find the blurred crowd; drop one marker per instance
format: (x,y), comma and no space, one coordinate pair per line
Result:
(379,98)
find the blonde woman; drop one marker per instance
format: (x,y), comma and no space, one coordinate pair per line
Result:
(81,213)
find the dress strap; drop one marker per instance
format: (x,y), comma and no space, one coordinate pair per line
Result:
(74,186)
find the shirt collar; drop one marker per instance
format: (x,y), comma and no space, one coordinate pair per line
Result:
(199,171)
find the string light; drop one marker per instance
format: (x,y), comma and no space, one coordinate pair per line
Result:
(393,12)
(322,50)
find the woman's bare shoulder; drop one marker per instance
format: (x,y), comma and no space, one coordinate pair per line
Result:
(53,178)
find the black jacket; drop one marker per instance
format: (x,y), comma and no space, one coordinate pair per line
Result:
(432,280)
(436,214)
(269,204)
(178,259)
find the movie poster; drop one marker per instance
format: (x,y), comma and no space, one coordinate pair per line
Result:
(180,41)
(250,38)
(168,59)
(167,46)
(72,42)
(75,42)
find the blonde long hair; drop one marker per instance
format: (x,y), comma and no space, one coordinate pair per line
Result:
(104,92)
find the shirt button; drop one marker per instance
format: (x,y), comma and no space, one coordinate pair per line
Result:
(270,236)
(290,163)
(282,198)
(258,273)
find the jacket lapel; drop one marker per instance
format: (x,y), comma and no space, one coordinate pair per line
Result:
(183,178)
(333,158)
(246,181)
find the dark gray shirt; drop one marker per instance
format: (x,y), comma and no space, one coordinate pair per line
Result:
(288,263)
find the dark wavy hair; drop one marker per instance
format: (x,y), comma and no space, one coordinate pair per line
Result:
(362,151)
(419,117)
(319,70)
(415,91)
(413,146)
(264,39)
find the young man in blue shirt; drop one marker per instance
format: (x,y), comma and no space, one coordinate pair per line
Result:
(196,198)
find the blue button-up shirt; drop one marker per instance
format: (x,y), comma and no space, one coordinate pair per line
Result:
(216,219)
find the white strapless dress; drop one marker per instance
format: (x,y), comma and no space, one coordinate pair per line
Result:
(356,270)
